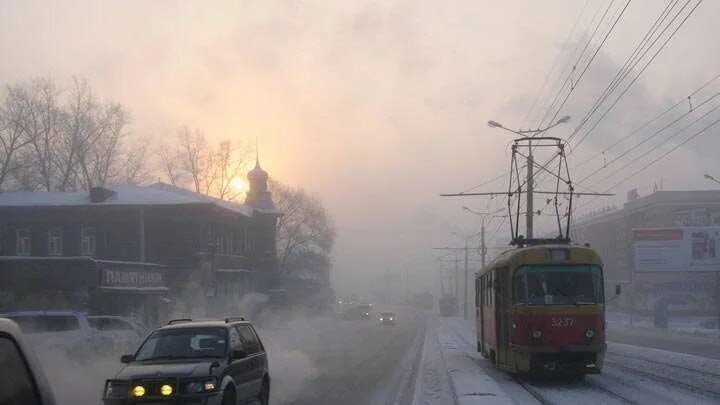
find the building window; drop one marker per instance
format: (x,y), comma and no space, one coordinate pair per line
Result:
(87,241)
(23,242)
(55,242)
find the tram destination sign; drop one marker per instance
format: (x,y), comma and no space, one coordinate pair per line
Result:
(677,249)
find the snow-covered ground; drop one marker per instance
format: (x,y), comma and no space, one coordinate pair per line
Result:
(687,325)
(452,372)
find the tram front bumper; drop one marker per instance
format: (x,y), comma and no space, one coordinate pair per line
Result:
(586,359)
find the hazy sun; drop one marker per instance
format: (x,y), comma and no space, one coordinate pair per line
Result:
(238,184)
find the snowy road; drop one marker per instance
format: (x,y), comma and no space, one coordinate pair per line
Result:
(426,360)
(632,375)
(333,361)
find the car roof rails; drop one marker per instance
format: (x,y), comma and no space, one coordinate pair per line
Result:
(235,319)
(181,320)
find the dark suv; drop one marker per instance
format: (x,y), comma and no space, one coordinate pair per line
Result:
(194,362)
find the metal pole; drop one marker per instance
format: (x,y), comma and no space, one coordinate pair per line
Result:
(483,249)
(465,294)
(717,287)
(457,279)
(530,187)
(407,286)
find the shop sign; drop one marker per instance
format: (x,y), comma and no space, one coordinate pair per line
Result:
(131,278)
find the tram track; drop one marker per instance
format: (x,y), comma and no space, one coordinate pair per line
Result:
(697,388)
(666,364)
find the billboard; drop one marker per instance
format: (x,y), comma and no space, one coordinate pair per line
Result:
(677,249)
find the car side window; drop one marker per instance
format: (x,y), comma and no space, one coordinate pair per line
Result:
(235,341)
(250,341)
(18,386)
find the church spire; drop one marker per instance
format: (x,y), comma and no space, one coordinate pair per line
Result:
(257,153)
(258,195)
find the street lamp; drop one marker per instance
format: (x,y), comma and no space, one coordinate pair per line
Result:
(711,178)
(529,133)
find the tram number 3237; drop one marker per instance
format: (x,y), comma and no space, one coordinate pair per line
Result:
(562,322)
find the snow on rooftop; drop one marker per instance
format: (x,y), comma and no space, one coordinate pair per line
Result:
(155,194)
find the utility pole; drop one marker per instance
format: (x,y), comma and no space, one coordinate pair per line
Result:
(529,215)
(465,295)
(466,249)
(483,248)
(457,279)
(407,285)
(528,134)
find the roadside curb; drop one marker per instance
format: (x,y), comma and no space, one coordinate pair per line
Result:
(471,384)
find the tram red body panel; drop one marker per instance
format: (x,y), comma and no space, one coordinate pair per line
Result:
(557,330)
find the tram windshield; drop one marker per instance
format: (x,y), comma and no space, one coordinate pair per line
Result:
(558,285)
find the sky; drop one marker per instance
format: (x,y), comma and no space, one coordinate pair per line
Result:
(377,107)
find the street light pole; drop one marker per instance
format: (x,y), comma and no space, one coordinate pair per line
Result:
(483,248)
(465,283)
(530,189)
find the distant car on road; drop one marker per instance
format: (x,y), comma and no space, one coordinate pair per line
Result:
(120,334)
(387,318)
(66,331)
(362,311)
(194,362)
(22,380)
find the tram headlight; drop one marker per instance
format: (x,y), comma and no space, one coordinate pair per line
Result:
(536,334)
(590,333)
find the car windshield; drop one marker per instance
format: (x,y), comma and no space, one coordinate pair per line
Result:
(185,343)
(558,285)
(387,314)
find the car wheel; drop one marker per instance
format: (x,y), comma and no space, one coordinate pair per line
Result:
(229,397)
(264,396)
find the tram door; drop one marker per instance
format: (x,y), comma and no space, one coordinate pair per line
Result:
(502,306)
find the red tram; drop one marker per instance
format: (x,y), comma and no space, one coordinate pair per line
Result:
(541,309)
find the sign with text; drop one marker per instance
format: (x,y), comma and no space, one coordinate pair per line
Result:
(135,278)
(677,249)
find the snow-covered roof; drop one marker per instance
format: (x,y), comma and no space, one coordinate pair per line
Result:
(130,195)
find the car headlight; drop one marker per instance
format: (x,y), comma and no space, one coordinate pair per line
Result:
(116,389)
(166,390)
(536,334)
(590,333)
(200,386)
(138,391)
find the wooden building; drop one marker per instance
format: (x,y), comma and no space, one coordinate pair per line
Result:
(133,242)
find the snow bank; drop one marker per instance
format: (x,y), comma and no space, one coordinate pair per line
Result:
(452,372)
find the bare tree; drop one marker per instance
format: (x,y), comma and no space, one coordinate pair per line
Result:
(305,226)
(40,128)
(53,143)
(12,114)
(209,171)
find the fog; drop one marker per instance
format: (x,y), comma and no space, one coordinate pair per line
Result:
(375,106)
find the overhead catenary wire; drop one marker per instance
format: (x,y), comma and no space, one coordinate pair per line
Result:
(641,49)
(655,134)
(646,153)
(569,75)
(554,65)
(648,123)
(659,158)
(660,49)
(618,18)
(626,68)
